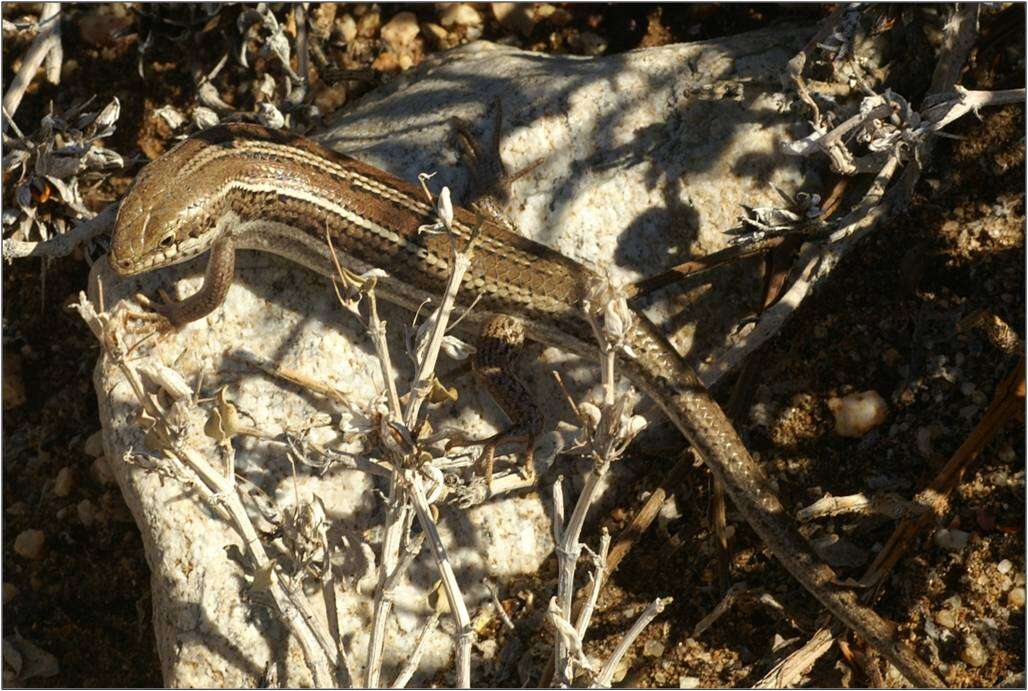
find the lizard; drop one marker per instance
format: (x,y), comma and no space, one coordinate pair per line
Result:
(242,186)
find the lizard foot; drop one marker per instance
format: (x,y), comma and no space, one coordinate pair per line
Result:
(491,182)
(486,459)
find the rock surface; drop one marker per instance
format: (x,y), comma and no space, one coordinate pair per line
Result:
(647,157)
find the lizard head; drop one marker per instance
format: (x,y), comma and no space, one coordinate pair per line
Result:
(165,218)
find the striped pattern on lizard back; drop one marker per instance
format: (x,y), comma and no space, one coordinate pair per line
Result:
(280,193)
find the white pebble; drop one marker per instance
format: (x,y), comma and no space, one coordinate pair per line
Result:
(29,544)
(858,413)
(347,28)
(947,618)
(435,32)
(653,648)
(400,31)
(1004,566)
(952,540)
(688,682)
(973,652)
(488,648)
(94,446)
(1015,598)
(460,13)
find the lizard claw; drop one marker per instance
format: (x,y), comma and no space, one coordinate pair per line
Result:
(484,463)
(151,319)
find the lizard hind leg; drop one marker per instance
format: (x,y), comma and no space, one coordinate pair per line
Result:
(501,342)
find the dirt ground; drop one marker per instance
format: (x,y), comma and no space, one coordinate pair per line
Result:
(887,322)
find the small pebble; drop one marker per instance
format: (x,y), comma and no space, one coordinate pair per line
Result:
(86,512)
(94,446)
(13,384)
(461,13)
(947,618)
(858,413)
(952,540)
(322,16)
(10,592)
(688,682)
(1004,566)
(368,24)
(101,471)
(1015,598)
(590,43)
(18,508)
(968,412)
(65,482)
(435,32)
(29,544)
(488,648)
(400,31)
(347,28)
(653,648)
(973,652)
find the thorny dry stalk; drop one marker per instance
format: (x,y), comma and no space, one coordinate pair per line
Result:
(167,433)
(598,577)
(606,675)
(414,660)
(324,652)
(396,511)
(45,46)
(400,433)
(63,245)
(606,431)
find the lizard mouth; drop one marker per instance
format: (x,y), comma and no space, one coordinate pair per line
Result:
(123,266)
(157,258)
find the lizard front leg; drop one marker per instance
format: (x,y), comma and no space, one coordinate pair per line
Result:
(221,267)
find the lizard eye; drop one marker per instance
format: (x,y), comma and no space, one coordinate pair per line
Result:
(167,241)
